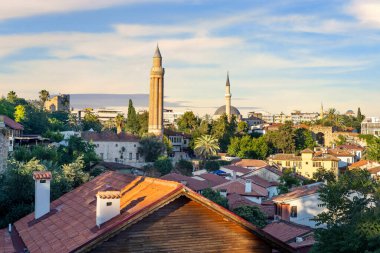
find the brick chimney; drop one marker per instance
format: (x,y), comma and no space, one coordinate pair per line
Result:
(42,193)
(107,206)
(248,185)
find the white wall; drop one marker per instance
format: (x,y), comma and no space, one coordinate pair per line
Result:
(239,174)
(266,174)
(257,200)
(272,191)
(42,197)
(112,152)
(106,212)
(307,208)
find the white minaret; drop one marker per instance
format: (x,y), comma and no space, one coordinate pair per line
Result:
(228,98)
(42,193)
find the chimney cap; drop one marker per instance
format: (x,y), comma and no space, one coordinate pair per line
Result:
(109,194)
(38,175)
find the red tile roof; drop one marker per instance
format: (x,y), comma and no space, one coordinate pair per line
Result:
(307,151)
(212,179)
(358,164)
(251,163)
(6,245)
(41,175)
(236,200)
(261,181)
(285,157)
(350,147)
(109,136)
(238,186)
(286,231)
(11,123)
(236,168)
(374,170)
(340,152)
(192,183)
(271,169)
(71,224)
(298,192)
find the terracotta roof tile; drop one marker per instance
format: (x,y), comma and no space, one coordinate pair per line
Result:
(108,194)
(236,168)
(340,152)
(359,164)
(286,157)
(298,192)
(307,151)
(251,163)
(212,179)
(11,123)
(236,200)
(192,183)
(374,170)
(286,231)
(41,175)
(238,186)
(261,181)
(6,245)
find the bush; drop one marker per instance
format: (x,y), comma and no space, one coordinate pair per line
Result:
(163,165)
(252,214)
(212,165)
(184,167)
(215,197)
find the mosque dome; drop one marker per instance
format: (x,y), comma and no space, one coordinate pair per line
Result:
(221,110)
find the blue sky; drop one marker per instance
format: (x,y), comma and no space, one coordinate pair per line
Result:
(281,55)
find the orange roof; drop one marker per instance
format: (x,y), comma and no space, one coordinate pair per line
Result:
(374,170)
(285,157)
(251,163)
(71,223)
(340,152)
(41,175)
(286,231)
(306,151)
(192,183)
(358,164)
(6,245)
(298,192)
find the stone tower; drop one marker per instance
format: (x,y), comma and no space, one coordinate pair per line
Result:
(228,98)
(156,95)
(321,115)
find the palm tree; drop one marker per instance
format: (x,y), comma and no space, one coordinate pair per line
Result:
(119,122)
(44,96)
(206,146)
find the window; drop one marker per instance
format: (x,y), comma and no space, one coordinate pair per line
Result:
(109,203)
(101,156)
(137,156)
(287,163)
(293,212)
(42,181)
(130,156)
(116,145)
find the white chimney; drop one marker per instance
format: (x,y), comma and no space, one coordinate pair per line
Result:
(299,239)
(107,206)
(248,185)
(42,193)
(233,175)
(223,192)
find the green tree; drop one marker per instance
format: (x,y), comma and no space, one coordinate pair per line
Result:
(188,122)
(223,130)
(184,167)
(168,145)
(163,165)
(341,140)
(303,139)
(287,141)
(252,214)
(119,122)
(20,113)
(287,181)
(359,115)
(212,165)
(242,127)
(322,175)
(143,119)
(352,215)
(151,148)
(91,121)
(133,125)
(74,173)
(206,146)
(12,96)
(215,197)
(373,150)
(6,108)
(44,96)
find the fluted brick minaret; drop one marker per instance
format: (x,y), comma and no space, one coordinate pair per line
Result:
(228,98)
(156,95)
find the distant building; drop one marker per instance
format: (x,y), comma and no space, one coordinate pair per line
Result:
(180,142)
(112,147)
(13,128)
(307,163)
(371,126)
(171,117)
(299,117)
(300,205)
(104,114)
(59,103)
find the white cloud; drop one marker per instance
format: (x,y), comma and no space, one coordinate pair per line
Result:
(27,8)
(366,11)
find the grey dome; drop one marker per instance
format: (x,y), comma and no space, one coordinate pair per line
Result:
(222,109)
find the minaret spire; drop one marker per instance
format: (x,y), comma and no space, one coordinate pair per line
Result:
(228,97)
(156,95)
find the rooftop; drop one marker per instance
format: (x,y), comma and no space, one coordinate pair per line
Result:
(236,168)
(286,231)
(298,192)
(251,163)
(238,186)
(10,123)
(192,183)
